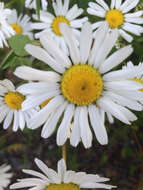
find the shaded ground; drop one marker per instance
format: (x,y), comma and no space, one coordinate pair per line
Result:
(120,160)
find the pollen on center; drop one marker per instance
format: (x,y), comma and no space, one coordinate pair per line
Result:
(115,18)
(14,100)
(17,28)
(81,84)
(56,22)
(63,186)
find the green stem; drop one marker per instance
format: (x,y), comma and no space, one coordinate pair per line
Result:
(64,154)
(6,58)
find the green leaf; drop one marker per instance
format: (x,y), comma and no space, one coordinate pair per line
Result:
(17,61)
(18,42)
(38,7)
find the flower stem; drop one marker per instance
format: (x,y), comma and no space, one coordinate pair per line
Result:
(64,154)
(137,142)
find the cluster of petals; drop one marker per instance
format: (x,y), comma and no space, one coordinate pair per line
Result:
(9,116)
(22,21)
(4,176)
(6,30)
(131,21)
(119,94)
(41,181)
(60,10)
(31,4)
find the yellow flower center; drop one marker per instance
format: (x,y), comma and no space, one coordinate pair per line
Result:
(56,22)
(81,84)
(63,186)
(140,81)
(17,28)
(114,18)
(45,102)
(14,100)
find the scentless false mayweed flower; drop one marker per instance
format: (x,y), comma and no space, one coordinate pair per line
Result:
(21,24)
(50,23)
(117,16)
(31,4)
(10,106)
(63,179)
(5,29)
(4,176)
(82,89)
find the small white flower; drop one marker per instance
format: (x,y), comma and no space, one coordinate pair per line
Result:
(5,29)
(82,89)
(63,179)
(31,4)
(4,176)
(139,76)
(10,106)
(117,16)
(21,24)
(49,22)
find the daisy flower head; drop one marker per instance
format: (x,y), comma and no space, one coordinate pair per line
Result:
(82,88)
(63,179)
(5,29)
(4,176)
(62,14)
(20,24)
(10,106)
(139,76)
(31,4)
(118,16)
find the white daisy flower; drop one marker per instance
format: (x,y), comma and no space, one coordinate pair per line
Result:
(82,88)
(63,179)
(21,24)
(5,29)
(4,176)
(31,4)
(10,106)
(118,16)
(139,76)
(49,22)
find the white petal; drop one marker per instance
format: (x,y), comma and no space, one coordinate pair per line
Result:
(103,4)
(33,101)
(106,47)
(99,38)
(132,28)
(126,36)
(98,125)
(96,185)
(71,42)
(41,117)
(85,38)
(52,175)
(42,55)
(109,106)
(130,6)
(16,121)
(21,120)
(64,128)
(52,48)
(8,119)
(52,121)
(75,136)
(85,131)
(115,59)
(61,169)
(124,101)
(28,73)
